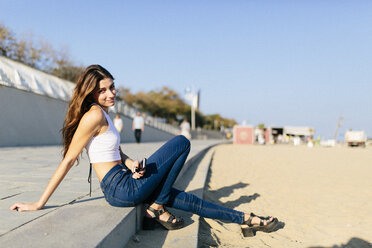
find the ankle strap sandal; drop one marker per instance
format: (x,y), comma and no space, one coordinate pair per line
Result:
(170,224)
(251,230)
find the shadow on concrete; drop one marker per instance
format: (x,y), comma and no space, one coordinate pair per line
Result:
(353,243)
(53,206)
(88,199)
(73,202)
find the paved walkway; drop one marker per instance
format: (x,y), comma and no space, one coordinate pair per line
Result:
(25,171)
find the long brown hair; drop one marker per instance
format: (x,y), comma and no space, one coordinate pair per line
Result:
(81,100)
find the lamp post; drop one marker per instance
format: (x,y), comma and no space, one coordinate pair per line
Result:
(338,126)
(192,118)
(194,106)
(194,99)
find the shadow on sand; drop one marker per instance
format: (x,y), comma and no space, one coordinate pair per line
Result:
(206,237)
(353,243)
(215,195)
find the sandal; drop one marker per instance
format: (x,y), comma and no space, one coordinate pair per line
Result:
(149,222)
(251,230)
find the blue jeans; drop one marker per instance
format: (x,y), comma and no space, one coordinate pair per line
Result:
(162,169)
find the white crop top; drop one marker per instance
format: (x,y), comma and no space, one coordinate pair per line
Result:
(104,147)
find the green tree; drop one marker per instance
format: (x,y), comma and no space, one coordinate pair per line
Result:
(261,126)
(7,41)
(215,121)
(166,103)
(39,55)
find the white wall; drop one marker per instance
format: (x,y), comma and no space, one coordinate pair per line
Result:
(27,118)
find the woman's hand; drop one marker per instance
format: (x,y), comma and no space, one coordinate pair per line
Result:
(20,207)
(138,174)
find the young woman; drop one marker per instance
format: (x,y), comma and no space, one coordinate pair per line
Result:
(87,125)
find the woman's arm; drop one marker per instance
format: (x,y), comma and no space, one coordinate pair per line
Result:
(131,165)
(89,125)
(126,160)
(57,177)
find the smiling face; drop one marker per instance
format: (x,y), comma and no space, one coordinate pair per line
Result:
(105,95)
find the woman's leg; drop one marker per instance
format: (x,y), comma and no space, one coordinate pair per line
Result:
(191,203)
(162,169)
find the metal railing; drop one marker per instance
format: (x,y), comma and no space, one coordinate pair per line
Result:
(122,108)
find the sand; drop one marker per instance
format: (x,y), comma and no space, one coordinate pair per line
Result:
(322,196)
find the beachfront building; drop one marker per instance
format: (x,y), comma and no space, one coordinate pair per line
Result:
(273,135)
(291,134)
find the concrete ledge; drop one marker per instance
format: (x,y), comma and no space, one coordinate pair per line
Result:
(195,179)
(192,180)
(92,222)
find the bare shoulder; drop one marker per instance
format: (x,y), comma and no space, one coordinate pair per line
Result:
(94,117)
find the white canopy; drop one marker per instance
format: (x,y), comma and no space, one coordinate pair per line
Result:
(20,76)
(301,131)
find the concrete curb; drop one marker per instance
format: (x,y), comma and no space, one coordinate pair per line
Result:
(189,237)
(192,180)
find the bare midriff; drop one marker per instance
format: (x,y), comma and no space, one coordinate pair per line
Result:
(101,169)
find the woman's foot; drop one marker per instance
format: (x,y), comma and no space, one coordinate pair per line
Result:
(163,217)
(158,213)
(256,220)
(253,223)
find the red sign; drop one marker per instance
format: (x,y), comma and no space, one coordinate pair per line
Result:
(243,135)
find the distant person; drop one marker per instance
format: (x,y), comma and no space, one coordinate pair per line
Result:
(124,182)
(222,130)
(138,126)
(280,139)
(118,123)
(296,140)
(310,143)
(185,129)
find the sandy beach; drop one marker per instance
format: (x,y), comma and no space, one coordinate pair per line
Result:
(322,196)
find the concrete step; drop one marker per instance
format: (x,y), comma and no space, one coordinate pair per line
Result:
(88,221)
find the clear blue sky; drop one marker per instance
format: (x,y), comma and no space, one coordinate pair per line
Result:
(273,62)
